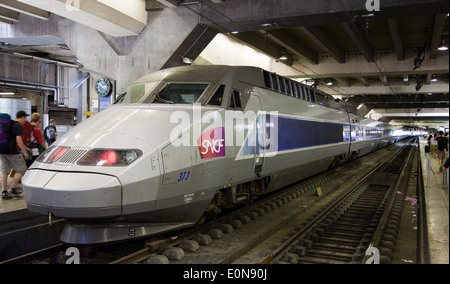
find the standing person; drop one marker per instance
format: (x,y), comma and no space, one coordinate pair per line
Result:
(11,159)
(36,139)
(27,128)
(442,148)
(434,144)
(429,139)
(50,133)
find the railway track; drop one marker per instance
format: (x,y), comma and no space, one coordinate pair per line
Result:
(351,229)
(240,236)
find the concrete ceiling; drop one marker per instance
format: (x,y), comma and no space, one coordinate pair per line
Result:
(373,58)
(384,60)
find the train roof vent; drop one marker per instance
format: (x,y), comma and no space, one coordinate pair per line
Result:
(72,156)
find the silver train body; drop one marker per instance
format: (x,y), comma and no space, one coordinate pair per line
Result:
(186,142)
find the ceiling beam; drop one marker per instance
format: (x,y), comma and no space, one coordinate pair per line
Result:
(192,46)
(250,14)
(169,3)
(345,81)
(405,104)
(387,90)
(109,17)
(319,36)
(396,38)
(25,9)
(423,98)
(284,38)
(253,39)
(9,15)
(6,21)
(357,66)
(360,40)
(436,40)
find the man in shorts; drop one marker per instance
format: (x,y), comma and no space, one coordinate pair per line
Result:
(12,159)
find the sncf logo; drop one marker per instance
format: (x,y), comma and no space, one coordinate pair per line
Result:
(212,143)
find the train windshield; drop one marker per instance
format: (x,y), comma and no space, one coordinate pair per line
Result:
(171,93)
(136,93)
(180,93)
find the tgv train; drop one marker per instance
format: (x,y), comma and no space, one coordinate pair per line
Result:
(184,143)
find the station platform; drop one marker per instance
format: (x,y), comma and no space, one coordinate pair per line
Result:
(437,208)
(437,203)
(15,204)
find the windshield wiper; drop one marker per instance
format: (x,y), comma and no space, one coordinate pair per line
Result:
(120,99)
(163,100)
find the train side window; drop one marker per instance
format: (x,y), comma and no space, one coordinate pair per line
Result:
(217,99)
(282,86)
(313,96)
(235,100)
(306,97)
(267,80)
(301,91)
(294,90)
(275,82)
(288,88)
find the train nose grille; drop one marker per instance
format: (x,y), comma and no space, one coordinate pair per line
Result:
(72,156)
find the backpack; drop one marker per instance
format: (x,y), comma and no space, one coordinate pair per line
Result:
(5,128)
(26,135)
(50,133)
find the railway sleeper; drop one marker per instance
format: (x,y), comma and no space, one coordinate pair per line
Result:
(335,247)
(336,240)
(342,234)
(347,257)
(357,230)
(349,224)
(317,260)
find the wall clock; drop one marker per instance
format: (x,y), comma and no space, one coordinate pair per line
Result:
(103,87)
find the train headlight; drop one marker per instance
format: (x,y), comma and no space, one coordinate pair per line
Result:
(52,154)
(110,157)
(130,156)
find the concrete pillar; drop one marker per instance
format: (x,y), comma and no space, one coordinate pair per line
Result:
(122,59)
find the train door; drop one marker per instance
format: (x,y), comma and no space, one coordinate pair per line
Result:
(259,132)
(260,136)
(259,150)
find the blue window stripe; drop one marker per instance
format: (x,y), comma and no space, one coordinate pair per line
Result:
(296,133)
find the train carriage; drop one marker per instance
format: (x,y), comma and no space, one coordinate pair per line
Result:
(183,143)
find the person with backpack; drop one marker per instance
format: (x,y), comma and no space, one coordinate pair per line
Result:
(37,142)
(10,157)
(50,133)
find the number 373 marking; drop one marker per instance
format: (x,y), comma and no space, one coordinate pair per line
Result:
(184,176)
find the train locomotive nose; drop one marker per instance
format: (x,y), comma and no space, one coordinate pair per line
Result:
(73,195)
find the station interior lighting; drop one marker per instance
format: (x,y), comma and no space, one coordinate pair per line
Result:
(443,46)
(283,56)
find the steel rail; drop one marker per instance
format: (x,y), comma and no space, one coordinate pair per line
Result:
(269,257)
